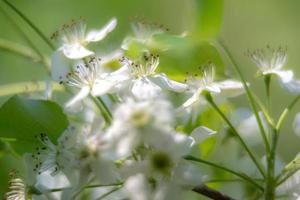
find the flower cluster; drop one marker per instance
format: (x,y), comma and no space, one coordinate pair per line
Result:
(130,138)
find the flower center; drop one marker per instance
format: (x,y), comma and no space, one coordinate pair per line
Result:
(140,118)
(161,162)
(84,74)
(145,68)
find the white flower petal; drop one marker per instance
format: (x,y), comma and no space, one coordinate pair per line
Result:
(212,88)
(143,89)
(137,187)
(107,58)
(97,35)
(80,96)
(231,88)
(284,75)
(59,66)
(296,124)
(202,133)
(76,51)
(163,81)
(102,87)
(292,86)
(193,99)
(181,144)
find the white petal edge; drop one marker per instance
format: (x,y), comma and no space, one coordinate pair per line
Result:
(292,86)
(296,124)
(97,35)
(164,82)
(76,51)
(285,76)
(201,133)
(137,187)
(78,97)
(193,99)
(231,88)
(102,87)
(59,65)
(143,89)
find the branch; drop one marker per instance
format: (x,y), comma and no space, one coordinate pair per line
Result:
(210,193)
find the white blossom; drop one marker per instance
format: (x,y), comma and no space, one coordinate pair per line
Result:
(143,33)
(90,78)
(143,81)
(272,62)
(75,38)
(55,157)
(226,88)
(136,122)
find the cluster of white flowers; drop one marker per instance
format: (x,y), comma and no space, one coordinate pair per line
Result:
(133,145)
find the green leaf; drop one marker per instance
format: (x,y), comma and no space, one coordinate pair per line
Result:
(177,62)
(209,18)
(22,119)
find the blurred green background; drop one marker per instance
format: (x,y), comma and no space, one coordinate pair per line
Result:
(241,24)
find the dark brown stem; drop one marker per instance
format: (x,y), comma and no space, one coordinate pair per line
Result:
(211,193)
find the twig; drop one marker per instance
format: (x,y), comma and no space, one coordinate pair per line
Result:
(211,193)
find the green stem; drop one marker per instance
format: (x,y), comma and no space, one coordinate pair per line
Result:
(88,187)
(286,111)
(250,97)
(30,23)
(213,104)
(19,49)
(27,39)
(229,180)
(105,107)
(27,87)
(242,176)
(291,173)
(109,192)
(104,114)
(271,180)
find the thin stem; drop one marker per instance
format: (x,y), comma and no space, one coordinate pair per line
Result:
(229,180)
(291,173)
(19,49)
(30,23)
(109,192)
(286,111)
(211,193)
(104,114)
(31,44)
(264,111)
(243,176)
(88,187)
(250,96)
(105,107)
(271,180)
(27,87)
(213,104)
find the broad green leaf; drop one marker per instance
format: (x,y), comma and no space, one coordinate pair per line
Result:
(21,120)
(209,18)
(189,58)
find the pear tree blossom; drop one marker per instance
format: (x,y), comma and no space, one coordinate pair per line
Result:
(142,80)
(272,62)
(133,140)
(75,38)
(226,88)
